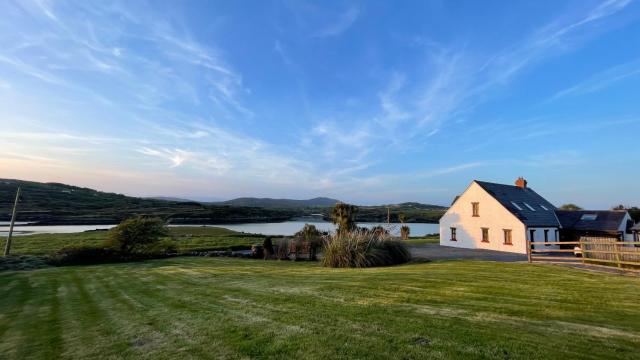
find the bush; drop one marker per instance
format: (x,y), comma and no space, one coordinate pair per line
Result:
(360,249)
(85,256)
(22,262)
(138,235)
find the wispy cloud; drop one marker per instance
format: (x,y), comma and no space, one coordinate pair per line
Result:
(339,25)
(601,80)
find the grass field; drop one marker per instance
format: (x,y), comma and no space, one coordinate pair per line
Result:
(188,238)
(236,308)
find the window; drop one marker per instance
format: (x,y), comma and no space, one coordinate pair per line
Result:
(453,234)
(544,208)
(476,208)
(589,217)
(507,237)
(529,207)
(516,206)
(485,235)
(546,236)
(532,235)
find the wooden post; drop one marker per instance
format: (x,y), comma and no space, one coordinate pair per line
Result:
(388,216)
(528,249)
(617,253)
(7,247)
(582,249)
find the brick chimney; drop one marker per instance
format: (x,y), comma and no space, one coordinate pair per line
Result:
(521,183)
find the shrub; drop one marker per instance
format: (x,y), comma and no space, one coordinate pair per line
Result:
(282,249)
(84,256)
(267,245)
(22,262)
(138,235)
(363,249)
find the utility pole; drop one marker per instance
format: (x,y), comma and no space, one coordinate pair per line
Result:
(7,248)
(388,216)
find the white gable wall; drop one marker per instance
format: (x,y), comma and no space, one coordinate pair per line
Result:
(538,236)
(623,228)
(492,216)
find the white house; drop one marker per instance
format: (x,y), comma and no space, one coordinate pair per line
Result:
(502,217)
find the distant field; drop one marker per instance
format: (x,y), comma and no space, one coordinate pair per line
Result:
(236,309)
(188,238)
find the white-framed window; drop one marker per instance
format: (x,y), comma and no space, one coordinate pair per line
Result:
(516,206)
(589,217)
(529,207)
(544,208)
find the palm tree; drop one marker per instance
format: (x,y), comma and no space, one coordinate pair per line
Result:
(344,216)
(404,232)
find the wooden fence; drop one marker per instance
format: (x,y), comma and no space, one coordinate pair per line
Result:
(590,250)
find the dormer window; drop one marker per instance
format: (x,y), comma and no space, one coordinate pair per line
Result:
(516,206)
(589,217)
(475,207)
(529,207)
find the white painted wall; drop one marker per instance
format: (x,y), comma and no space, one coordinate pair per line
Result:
(623,228)
(539,237)
(492,215)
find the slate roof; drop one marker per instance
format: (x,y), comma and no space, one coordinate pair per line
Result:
(509,194)
(606,220)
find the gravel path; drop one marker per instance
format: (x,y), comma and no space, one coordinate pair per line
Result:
(439,252)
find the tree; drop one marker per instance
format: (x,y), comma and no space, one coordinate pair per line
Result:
(311,236)
(135,234)
(634,212)
(344,216)
(402,218)
(404,232)
(572,207)
(308,232)
(619,207)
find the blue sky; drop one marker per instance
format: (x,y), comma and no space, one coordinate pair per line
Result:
(369,102)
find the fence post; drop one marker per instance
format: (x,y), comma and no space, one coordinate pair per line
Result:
(582,250)
(617,253)
(7,246)
(528,249)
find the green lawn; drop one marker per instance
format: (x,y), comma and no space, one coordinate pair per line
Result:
(188,238)
(237,308)
(423,240)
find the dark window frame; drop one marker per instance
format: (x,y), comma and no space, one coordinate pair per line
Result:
(546,237)
(454,235)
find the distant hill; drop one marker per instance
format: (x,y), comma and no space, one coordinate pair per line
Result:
(169,198)
(280,203)
(53,203)
(58,204)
